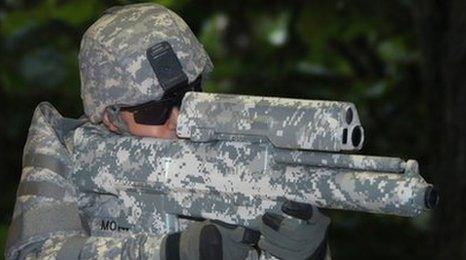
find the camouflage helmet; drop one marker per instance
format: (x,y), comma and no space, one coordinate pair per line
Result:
(114,66)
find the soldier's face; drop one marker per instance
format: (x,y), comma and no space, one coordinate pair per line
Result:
(166,131)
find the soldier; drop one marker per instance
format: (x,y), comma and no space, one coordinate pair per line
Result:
(136,63)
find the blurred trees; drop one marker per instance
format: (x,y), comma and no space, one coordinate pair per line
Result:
(442,35)
(367,52)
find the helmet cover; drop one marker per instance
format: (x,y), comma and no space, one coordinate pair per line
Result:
(114,68)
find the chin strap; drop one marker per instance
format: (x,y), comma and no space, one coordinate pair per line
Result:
(113,114)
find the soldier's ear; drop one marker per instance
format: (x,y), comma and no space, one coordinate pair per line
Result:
(108,123)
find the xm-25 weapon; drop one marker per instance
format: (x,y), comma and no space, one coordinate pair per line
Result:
(240,156)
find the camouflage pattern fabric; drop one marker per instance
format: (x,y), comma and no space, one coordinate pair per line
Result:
(237,178)
(113,64)
(56,215)
(286,123)
(54,219)
(49,219)
(87,192)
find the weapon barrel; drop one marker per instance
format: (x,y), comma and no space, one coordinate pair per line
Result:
(241,198)
(375,192)
(342,161)
(236,181)
(261,185)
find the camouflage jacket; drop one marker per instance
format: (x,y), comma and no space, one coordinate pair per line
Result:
(55,219)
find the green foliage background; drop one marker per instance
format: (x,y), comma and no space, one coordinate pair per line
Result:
(365,52)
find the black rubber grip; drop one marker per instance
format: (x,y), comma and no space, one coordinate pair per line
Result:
(172,248)
(210,244)
(273,220)
(298,210)
(251,237)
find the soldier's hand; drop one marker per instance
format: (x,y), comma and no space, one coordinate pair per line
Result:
(302,234)
(210,239)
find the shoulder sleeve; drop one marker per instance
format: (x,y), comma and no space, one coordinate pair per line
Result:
(46,220)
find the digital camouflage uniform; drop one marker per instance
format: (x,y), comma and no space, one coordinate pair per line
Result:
(55,219)
(86,192)
(51,217)
(56,214)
